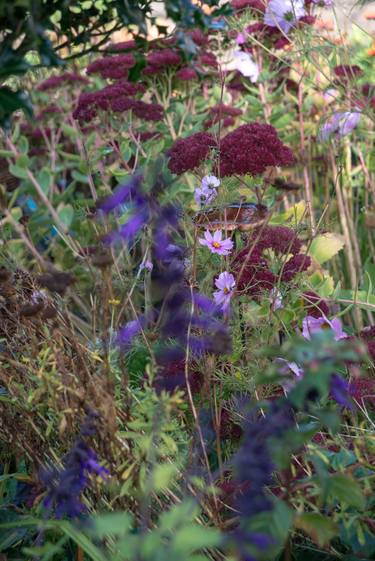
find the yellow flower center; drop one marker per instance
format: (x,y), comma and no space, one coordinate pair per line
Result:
(217,245)
(226,290)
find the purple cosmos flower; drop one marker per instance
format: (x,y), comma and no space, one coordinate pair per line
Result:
(311,325)
(147,265)
(284,13)
(225,283)
(287,369)
(341,124)
(210,182)
(204,196)
(216,244)
(246,66)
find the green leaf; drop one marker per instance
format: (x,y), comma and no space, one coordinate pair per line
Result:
(66,214)
(163,475)
(326,246)
(18,171)
(112,524)
(292,216)
(320,528)
(193,537)
(45,180)
(347,490)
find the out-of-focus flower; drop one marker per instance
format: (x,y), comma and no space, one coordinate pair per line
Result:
(340,391)
(257,5)
(115,67)
(323,3)
(246,66)
(241,38)
(348,71)
(330,95)
(311,325)
(216,244)
(276,299)
(55,82)
(284,13)
(291,371)
(341,124)
(65,486)
(226,284)
(371,50)
(147,265)
(186,74)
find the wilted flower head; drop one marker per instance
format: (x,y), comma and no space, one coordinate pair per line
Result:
(246,65)
(341,124)
(216,244)
(225,283)
(311,325)
(284,13)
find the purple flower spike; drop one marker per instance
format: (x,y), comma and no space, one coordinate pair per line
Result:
(130,330)
(122,194)
(225,283)
(312,325)
(216,244)
(284,13)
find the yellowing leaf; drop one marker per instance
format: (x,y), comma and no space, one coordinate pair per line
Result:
(292,216)
(320,528)
(325,246)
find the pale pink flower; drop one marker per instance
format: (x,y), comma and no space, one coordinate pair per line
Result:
(225,283)
(216,244)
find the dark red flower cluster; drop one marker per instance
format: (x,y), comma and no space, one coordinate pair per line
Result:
(186,74)
(347,71)
(123,46)
(48,112)
(188,153)
(158,61)
(363,389)
(251,267)
(368,335)
(267,33)
(198,37)
(314,305)
(208,59)
(224,113)
(236,83)
(55,82)
(116,98)
(115,67)
(257,5)
(171,377)
(250,149)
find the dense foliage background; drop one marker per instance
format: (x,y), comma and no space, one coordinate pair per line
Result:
(187,282)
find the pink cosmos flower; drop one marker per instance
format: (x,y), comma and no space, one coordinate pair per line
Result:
(216,244)
(225,283)
(312,325)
